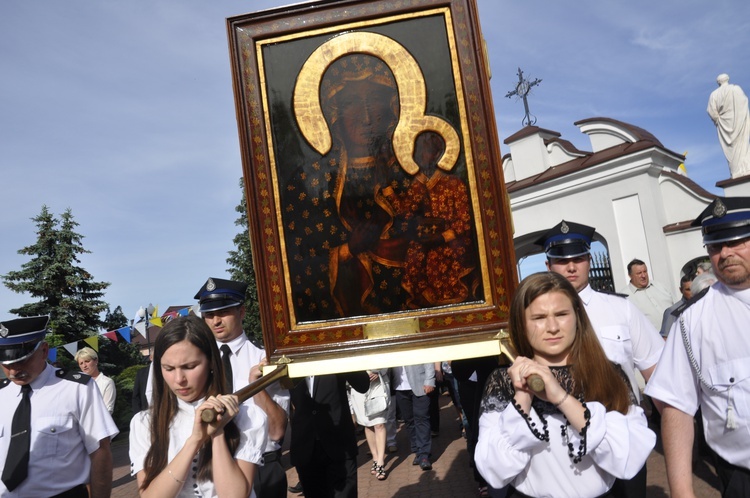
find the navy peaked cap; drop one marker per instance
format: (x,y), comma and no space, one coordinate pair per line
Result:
(724,220)
(19,338)
(218,294)
(567,240)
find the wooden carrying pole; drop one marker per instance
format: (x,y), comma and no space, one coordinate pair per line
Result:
(536,383)
(250,390)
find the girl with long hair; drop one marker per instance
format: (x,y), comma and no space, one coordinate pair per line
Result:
(173,453)
(584,429)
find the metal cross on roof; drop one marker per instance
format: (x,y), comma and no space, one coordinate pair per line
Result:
(523,88)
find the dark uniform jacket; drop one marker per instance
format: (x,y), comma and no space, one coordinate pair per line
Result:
(324,417)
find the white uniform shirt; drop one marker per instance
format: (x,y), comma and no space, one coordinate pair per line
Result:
(626,336)
(507,452)
(717,327)
(251,421)
(109,391)
(245,355)
(68,419)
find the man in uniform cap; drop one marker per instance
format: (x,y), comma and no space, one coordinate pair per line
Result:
(626,335)
(222,305)
(706,360)
(54,426)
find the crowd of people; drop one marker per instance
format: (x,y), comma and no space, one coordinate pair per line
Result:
(583,433)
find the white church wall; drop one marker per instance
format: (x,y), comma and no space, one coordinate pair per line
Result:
(631,232)
(683,247)
(680,202)
(631,229)
(627,198)
(531,157)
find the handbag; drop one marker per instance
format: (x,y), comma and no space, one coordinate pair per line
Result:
(377,399)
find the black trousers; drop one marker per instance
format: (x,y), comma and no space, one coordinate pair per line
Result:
(270,481)
(632,488)
(322,477)
(735,481)
(79,491)
(514,493)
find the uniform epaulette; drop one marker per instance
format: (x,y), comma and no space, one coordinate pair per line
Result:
(613,293)
(255,342)
(4,383)
(79,377)
(678,311)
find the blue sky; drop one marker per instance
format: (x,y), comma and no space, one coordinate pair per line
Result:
(124,112)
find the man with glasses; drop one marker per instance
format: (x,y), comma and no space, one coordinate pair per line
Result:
(54,426)
(706,360)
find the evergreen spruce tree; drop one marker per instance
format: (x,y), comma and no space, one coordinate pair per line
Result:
(241,268)
(116,356)
(114,320)
(65,291)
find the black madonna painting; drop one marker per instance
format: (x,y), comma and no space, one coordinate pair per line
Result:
(371,169)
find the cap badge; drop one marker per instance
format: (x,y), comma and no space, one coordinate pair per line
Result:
(210,285)
(3,330)
(564,228)
(719,209)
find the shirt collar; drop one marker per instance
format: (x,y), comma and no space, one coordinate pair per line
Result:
(633,288)
(586,294)
(43,377)
(743,295)
(235,344)
(189,407)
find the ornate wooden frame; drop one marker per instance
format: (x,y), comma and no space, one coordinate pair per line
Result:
(273,55)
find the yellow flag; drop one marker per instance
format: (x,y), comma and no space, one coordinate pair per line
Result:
(93,342)
(157,322)
(681,167)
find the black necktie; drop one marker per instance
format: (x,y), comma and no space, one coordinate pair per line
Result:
(17,462)
(225,354)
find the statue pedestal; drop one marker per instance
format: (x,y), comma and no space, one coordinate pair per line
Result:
(736,187)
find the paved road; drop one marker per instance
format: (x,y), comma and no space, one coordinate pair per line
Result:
(450,476)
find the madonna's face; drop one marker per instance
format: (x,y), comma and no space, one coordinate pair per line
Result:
(365,115)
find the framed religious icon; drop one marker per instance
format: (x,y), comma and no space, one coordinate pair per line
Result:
(378,217)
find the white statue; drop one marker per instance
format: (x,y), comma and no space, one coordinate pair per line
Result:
(728,109)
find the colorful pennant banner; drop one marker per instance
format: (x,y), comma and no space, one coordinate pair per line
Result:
(124,333)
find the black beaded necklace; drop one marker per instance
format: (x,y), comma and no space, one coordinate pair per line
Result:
(582,445)
(544,434)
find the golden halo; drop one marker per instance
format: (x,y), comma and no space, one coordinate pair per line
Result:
(411,90)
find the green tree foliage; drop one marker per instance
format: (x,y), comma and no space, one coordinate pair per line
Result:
(114,320)
(116,356)
(241,268)
(123,403)
(63,289)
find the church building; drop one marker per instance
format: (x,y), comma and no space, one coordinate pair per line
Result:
(629,187)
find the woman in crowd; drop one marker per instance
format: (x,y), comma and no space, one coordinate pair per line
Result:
(583,429)
(173,453)
(374,424)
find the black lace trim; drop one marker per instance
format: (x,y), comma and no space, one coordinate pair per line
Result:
(499,391)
